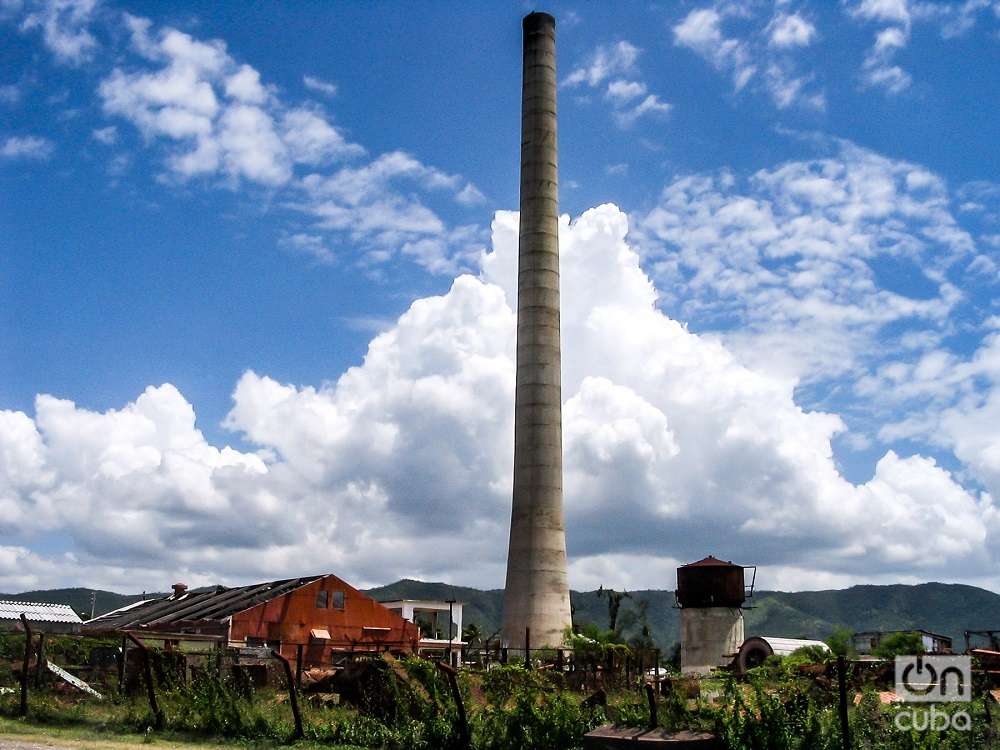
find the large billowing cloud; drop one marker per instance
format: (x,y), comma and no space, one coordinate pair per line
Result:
(402,465)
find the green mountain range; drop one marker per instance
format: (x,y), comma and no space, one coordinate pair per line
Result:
(948,609)
(79,599)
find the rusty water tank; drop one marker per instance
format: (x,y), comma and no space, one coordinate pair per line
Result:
(710,583)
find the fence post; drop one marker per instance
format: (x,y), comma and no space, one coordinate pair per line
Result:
(656,667)
(121,664)
(503,655)
(845,727)
(527,648)
(298,666)
(651,700)
(150,689)
(40,660)
(465,736)
(559,660)
(24,666)
(292,694)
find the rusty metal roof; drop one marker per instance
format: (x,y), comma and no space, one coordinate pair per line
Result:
(711,561)
(212,605)
(38,612)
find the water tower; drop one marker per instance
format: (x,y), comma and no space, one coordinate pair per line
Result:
(711,594)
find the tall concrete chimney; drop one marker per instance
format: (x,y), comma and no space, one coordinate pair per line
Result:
(537,594)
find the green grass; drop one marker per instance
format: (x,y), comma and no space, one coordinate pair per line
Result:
(509,708)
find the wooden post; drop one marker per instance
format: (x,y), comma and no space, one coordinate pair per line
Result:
(651,700)
(147,671)
(559,660)
(989,717)
(121,664)
(40,660)
(465,737)
(298,666)
(503,655)
(24,666)
(845,727)
(527,648)
(656,667)
(292,695)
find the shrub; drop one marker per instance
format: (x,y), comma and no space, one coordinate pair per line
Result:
(525,709)
(899,644)
(841,642)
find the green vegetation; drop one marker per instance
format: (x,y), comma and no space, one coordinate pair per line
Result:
(787,703)
(841,642)
(899,644)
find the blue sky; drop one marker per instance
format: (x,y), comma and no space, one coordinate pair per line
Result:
(226,204)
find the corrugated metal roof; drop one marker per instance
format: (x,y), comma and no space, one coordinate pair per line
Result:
(786,646)
(711,561)
(213,605)
(38,612)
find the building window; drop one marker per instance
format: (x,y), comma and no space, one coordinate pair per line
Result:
(320,600)
(254,642)
(337,599)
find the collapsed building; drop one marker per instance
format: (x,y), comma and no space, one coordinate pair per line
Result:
(310,620)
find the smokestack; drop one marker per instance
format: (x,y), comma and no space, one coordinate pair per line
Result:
(537,593)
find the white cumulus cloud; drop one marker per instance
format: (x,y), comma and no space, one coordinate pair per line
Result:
(64,27)
(402,464)
(26,147)
(762,55)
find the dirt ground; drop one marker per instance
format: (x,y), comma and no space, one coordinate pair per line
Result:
(39,742)
(26,742)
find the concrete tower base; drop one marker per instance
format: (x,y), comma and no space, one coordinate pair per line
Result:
(710,637)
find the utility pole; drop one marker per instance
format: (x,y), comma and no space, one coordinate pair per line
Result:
(451,638)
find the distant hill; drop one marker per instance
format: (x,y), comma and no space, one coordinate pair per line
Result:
(944,608)
(948,609)
(481,607)
(79,599)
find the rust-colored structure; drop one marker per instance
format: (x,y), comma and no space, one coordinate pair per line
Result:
(322,615)
(711,594)
(711,582)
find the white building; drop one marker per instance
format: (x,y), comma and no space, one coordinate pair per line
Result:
(432,617)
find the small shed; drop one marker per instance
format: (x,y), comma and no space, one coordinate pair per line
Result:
(42,617)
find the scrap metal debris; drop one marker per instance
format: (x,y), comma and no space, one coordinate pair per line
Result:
(74,681)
